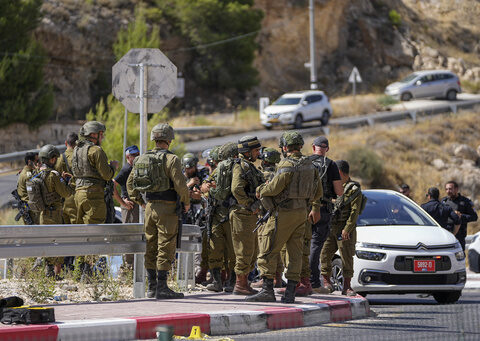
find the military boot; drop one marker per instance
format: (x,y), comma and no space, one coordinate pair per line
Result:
(278,281)
(216,285)
(230,283)
(327,284)
(258,284)
(347,289)
(242,287)
(305,287)
(163,291)
(266,294)
(289,295)
(201,276)
(152,283)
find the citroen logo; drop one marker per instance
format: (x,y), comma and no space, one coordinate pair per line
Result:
(421,246)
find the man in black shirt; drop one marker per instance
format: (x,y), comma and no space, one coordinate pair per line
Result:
(130,210)
(439,211)
(332,187)
(463,207)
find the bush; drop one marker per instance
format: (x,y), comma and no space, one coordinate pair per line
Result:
(37,286)
(386,101)
(366,164)
(395,18)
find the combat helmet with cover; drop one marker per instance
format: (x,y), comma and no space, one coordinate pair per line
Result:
(227,151)
(290,138)
(247,143)
(47,152)
(92,127)
(270,155)
(189,160)
(162,132)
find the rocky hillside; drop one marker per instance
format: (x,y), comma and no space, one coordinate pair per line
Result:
(78,36)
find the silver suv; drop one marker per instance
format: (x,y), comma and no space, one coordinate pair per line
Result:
(435,83)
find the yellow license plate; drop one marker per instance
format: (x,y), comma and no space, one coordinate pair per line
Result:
(273,120)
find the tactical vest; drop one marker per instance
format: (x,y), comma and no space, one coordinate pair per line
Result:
(303,185)
(341,215)
(322,164)
(39,197)
(149,172)
(85,174)
(252,176)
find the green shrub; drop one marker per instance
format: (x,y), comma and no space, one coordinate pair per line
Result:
(37,286)
(386,100)
(365,164)
(395,18)
(472,87)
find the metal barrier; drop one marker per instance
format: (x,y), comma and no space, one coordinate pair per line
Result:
(21,241)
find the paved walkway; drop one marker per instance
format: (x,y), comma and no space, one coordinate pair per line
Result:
(215,313)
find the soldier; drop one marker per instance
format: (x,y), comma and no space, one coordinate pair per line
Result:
(56,189)
(270,158)
(221,246)
(165,188)
(463,207)
(243,214)
(343,233)
(29,170)
(332,187)
(64,165)
(295,185)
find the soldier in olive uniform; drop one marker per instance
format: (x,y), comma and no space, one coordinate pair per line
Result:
(343,233)
(221,246)
(243,215)
(57,189)
(295,186)
(91,170)
(161,220)
(64,164)
(270,158)
(30,169)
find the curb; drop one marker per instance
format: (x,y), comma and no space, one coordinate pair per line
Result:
(213,324)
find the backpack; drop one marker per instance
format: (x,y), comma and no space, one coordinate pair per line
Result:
(223,189)
(322,164)
(149,172)
(27,315)
(36,191)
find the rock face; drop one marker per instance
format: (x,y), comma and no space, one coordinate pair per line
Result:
(78,38)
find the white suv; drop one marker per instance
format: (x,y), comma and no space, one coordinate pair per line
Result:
(296,108)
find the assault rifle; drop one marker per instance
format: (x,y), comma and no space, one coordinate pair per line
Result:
(262,220)
(179,209)
(209,213)
(23,209)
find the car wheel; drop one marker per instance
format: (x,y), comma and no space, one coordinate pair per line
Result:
(451,95)
(447,297)
(298,122)
(325,118)
(268,127)
(406,96)
(337,274)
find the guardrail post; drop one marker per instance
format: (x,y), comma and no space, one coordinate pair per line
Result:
(370,121)
(453,108)
(138,276)
(413,115)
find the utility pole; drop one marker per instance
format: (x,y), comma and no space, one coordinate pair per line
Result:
(313,65)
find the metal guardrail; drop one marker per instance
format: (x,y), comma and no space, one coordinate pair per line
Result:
(20,155)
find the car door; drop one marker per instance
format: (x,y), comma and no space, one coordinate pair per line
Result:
(308,107)
(422,87)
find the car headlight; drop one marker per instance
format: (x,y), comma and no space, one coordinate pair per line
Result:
(369,255)
(458,245)
(369,246)
(460,255)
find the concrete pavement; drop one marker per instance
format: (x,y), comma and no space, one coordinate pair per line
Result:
(214,313)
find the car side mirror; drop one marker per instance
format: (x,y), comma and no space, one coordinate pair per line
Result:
(418,83)
(304,103)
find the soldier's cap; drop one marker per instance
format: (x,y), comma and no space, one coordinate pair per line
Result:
(320,141)
(248,143)
(433,192)
(132,150)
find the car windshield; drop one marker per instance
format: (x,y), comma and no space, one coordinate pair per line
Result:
(387,208)
(287,101)
(408,78)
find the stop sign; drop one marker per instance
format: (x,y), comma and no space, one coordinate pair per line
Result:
(160,73)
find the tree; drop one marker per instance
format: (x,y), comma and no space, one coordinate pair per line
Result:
(23,95)
(222,34)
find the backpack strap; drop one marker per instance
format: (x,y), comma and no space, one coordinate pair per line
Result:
(64,157)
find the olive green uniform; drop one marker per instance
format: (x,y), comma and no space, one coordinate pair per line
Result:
(26,173)
(221,245)
(161,220)
(69,208)
(242,218)
(53,214)
(344,220)
(90,180)
(287,223)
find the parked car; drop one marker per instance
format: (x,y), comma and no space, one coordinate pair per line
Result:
(400,249)
(442,83)
(474,253)
(296,108)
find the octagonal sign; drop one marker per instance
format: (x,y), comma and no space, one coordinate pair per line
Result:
(161,75)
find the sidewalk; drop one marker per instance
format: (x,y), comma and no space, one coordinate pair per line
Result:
(215,313)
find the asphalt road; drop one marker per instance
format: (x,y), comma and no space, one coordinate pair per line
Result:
(398,317)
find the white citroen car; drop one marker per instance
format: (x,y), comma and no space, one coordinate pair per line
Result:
(400,249)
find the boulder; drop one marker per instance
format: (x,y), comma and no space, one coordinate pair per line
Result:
(466,152)
(439,164)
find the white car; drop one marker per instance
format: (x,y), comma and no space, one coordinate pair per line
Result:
(401,249)
(296,108)
(474,253)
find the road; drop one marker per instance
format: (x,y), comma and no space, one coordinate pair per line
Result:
(398,317)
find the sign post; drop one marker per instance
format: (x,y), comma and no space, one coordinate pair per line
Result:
(144,81)
(354,78)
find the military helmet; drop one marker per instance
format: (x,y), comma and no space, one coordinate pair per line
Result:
(214,154)
(247,143)
(162,132)
(189,160)
(290,138)
(92,127)
(270,155)
(47,152)
(228,150)
(211,155)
